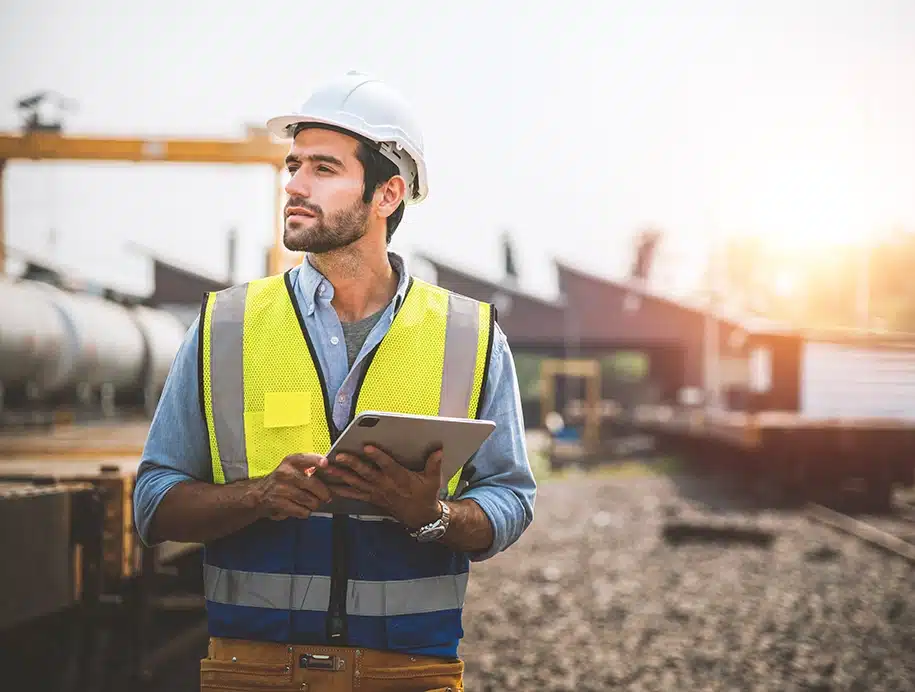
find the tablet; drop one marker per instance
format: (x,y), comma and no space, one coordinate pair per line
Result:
(409,440)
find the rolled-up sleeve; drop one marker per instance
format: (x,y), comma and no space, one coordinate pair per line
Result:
(177,447)
(502,482)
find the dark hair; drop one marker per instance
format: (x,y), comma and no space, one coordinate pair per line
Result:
(376,169)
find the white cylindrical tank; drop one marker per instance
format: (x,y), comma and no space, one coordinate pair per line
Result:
(164,333)
(105,340)
(34,346)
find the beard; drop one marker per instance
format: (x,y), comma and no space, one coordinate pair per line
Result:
(324,234)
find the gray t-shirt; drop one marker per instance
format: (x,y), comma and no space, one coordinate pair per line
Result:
(355,334)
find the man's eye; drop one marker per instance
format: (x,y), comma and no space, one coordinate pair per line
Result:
(325,169)
(292,170)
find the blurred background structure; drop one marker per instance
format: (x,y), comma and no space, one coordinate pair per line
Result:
(696,221)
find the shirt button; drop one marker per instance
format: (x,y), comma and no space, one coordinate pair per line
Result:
(321,289)
(342,398)
(334,340)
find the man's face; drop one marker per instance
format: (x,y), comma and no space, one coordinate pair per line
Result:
(325,210)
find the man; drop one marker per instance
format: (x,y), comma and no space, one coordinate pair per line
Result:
(268,376)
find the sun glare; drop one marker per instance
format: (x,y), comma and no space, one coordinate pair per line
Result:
(806,197)
(785,284)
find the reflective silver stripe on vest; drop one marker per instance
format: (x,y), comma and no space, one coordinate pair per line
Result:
(260,590)
(226,381)
(461,338)
(299,592)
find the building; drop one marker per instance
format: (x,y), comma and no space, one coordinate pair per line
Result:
(179,289)
(655,349)
(650,347)
(827,373)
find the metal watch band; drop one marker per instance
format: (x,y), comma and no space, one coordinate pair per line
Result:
(439,526)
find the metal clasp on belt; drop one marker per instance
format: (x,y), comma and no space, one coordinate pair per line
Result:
(321,662)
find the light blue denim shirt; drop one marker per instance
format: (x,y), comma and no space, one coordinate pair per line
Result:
(178,449)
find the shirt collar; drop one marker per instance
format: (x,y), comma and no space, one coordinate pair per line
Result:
(314,286)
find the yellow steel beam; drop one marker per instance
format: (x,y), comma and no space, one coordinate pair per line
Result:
(37,146)
(42,145)
(2,227)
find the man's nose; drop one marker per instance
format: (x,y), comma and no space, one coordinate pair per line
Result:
(298,186)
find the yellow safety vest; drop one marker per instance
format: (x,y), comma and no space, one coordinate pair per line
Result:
(263,393)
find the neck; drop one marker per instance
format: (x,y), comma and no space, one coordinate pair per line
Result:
(362,277)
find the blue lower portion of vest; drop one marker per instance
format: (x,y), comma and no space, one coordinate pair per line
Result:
(378,551)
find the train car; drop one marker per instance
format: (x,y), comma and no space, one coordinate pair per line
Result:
(825,374)
(820,415)
(62,349)
(162,333)
(33,360)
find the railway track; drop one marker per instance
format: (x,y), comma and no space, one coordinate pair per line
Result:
(900,545)
(83,441)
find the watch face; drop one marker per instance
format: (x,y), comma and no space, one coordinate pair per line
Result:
(432,534)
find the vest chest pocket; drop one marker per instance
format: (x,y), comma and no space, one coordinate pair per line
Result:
(282,428)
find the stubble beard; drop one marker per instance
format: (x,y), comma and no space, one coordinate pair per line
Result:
(338,231)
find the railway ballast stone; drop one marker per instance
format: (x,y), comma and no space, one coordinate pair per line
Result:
(593,598)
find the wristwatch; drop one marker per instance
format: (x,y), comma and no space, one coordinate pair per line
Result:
(436,529)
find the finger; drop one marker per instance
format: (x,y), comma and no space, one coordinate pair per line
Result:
(358,466)
(317,488)
(382,459)
(434,464)
(351,479)
(302,497)
(351,493)
(313,502)
(304,480)
(304,462)
(283,509)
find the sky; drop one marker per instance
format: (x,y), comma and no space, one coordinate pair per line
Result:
(572,125)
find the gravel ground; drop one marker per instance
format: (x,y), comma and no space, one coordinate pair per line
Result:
(593,598)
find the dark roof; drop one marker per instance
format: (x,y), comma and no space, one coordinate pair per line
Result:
(525,318)
(175,284)
(497,286)
(750,324)
(641,289)
(174,265)
(192,274)
(592,310)
(179,286)
(36,268)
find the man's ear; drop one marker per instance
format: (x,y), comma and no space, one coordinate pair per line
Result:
(390,194)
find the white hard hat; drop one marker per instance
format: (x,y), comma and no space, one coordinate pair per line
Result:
(368,107)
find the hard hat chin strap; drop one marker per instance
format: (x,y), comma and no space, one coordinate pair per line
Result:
(404,162)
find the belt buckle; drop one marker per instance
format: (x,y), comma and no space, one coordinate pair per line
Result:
(326,662)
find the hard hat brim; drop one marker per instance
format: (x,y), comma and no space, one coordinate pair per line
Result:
(279,127)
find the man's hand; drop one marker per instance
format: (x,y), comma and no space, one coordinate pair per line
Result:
(198,512)
(292,489)
(410,497)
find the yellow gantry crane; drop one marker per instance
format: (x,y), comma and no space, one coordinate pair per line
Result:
(256,149)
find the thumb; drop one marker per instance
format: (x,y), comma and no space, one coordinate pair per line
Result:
(305,462)
(434,465)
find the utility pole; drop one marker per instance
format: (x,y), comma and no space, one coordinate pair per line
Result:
(232,254)
(2,227)
(712,338)
(863,285)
